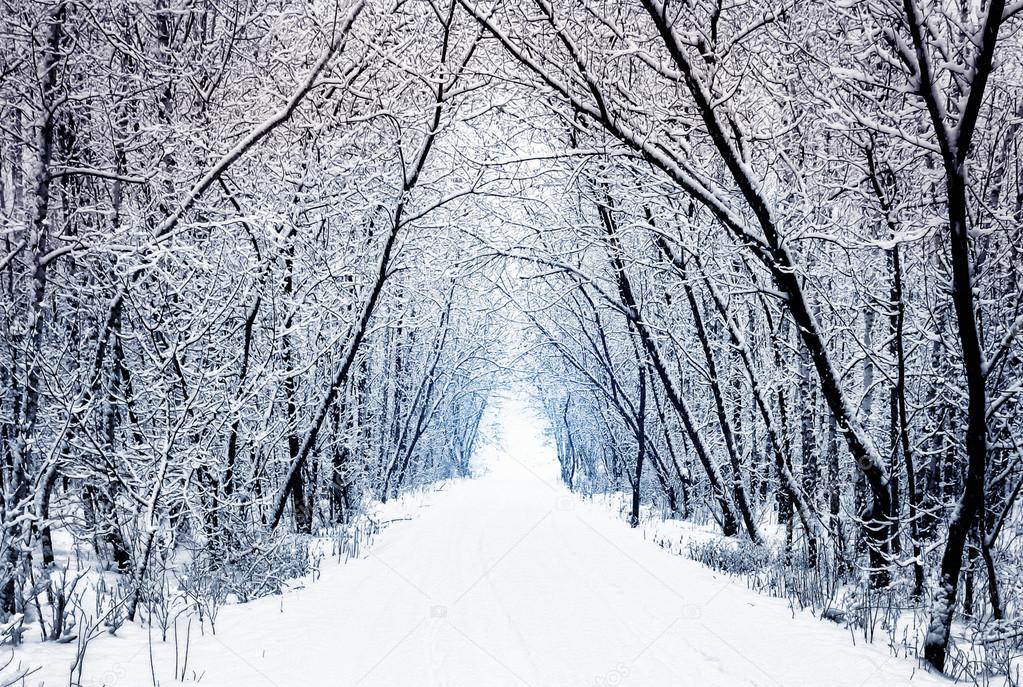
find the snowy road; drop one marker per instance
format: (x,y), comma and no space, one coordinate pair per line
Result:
(510,580)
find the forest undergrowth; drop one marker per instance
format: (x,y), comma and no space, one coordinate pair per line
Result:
(983,651)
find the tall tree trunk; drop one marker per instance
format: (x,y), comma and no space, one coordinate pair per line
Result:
(808,444)
(640,441)
(21,450)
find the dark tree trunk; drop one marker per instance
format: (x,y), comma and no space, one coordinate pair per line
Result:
(640,443)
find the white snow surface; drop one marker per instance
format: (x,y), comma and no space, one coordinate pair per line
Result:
(505,579)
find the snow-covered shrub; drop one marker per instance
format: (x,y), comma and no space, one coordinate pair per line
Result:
(159,599)
(730,557)
(263,567)
(349,540)
(202,584)
(64,598)
(988,651)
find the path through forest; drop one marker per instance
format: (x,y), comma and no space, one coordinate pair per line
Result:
(509,579)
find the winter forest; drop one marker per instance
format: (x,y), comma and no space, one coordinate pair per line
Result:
(277,278)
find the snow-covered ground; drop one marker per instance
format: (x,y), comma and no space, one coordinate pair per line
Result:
(507,579)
